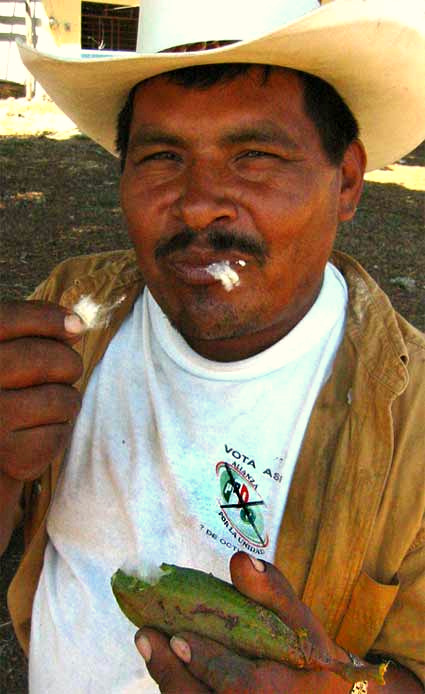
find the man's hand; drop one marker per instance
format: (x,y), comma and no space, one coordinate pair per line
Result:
(195,665)
(38,366)
(191,664)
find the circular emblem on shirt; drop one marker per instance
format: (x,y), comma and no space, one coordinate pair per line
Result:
(241,504)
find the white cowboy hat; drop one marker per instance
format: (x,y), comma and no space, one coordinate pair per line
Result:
(371,51)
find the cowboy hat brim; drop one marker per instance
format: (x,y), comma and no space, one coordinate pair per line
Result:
(371,51)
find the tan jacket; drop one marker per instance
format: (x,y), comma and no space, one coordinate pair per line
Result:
(352,541)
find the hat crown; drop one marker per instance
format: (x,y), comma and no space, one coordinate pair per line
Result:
(165,24)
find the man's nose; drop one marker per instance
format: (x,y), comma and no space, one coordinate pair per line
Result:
(205,199)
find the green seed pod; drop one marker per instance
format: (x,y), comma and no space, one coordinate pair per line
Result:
(189,600)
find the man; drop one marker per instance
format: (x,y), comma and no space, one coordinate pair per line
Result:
(247,394)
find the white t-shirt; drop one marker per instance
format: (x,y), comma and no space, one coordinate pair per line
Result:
(177,459)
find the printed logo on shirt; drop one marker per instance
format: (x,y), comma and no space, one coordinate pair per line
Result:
(241,506)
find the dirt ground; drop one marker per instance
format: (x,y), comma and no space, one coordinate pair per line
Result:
(59,198)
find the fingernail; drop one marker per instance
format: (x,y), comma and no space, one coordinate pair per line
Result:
(74,324)
(181,648)
(257,564)
(143,646)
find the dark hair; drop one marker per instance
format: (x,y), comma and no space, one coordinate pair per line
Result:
(335,123)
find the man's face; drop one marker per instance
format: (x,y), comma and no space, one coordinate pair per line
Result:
(235,172)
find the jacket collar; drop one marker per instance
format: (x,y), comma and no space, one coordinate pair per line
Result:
(371,319)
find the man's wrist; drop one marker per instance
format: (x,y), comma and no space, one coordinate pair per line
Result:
(360,687)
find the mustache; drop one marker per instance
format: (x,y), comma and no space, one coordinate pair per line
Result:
(217,238)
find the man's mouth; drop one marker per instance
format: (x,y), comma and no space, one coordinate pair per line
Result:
(227,244)
(207,269)
(211,256)
(227,275)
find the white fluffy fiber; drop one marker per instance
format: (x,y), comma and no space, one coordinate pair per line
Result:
(144,570)
(92,314)
(222,271)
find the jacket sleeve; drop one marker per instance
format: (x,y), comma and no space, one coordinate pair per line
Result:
(402,544)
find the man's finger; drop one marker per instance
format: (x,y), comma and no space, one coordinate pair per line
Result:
(164,666)
(32,361)
(219,668)
(225,672)
(25,454)
(38,318)
(269,588)
(52,403)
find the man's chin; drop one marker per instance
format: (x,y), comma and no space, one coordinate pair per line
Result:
(209,332)
(207,318)
(219,336)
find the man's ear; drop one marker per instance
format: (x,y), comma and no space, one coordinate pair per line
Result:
(352,171)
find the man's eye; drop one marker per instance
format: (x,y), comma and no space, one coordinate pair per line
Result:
(155,156)
(165,156)
(257,154)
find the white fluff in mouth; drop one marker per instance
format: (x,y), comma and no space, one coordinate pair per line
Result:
(222,271)
(92,314)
